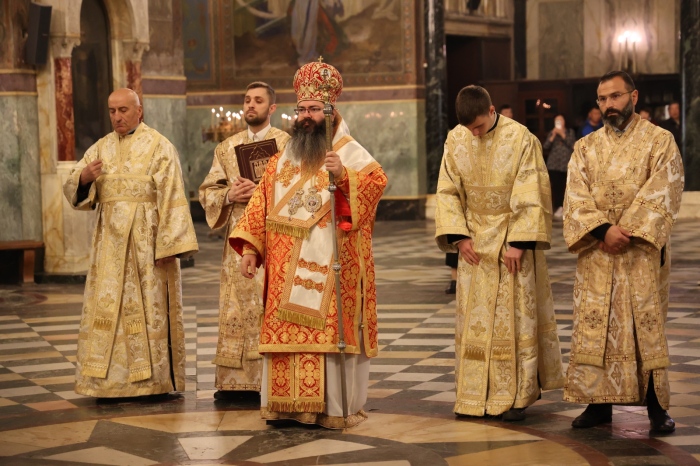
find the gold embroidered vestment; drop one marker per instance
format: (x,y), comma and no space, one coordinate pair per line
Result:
(238,362)
(634,180)
(131,331)
(495,190)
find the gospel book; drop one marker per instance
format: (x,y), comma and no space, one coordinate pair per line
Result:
(252,158)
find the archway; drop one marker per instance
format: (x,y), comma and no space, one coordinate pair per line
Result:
(92,76)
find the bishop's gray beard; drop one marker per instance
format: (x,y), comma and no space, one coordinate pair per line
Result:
(621,116)
(307,146)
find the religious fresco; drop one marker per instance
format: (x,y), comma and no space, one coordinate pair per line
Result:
(197,37)
(371,42)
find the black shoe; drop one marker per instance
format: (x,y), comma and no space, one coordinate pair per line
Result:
(514,415)
(224,395)
(593,416)
(452,289)
(661,422)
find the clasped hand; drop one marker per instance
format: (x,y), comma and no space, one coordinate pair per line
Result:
(616,240)
(241,190)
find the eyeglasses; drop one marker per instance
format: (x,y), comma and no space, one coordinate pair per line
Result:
(310,110)
(602,100)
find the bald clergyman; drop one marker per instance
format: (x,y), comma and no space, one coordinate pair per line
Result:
(132,339)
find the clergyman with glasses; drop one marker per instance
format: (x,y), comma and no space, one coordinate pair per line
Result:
(288,227)
(623,194)
(224,195)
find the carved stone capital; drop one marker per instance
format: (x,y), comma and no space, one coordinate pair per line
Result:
(133,50)
(62,46)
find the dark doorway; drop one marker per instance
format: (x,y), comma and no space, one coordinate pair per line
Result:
(472,60)
(92,77)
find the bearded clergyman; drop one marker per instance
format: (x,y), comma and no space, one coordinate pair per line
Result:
(224,195)
(287,226)
(132,337)
(623,194)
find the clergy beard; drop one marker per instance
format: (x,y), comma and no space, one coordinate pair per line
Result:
(255,120)
(621,115)
(308,144)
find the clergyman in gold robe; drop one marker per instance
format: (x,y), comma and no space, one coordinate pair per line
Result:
(494,208)
(132,338)
(623,193)
(224,195)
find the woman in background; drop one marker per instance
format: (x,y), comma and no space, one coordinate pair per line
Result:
(560,144)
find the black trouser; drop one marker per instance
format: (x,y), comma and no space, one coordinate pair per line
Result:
(557,180)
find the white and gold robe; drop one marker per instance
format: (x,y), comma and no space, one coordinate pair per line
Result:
(238,362)
(495,189)
(132,339)
(634,180)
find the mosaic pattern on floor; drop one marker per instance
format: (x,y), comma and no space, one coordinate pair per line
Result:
(411,384)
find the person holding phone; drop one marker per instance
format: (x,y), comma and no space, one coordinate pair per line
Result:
(560,144)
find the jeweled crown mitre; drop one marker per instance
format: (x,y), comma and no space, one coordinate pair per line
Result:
(318,81)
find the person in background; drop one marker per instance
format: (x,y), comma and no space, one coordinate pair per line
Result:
(452,261)
(506,110)
(645,113)
(593,122)
(673,124)
(560,144)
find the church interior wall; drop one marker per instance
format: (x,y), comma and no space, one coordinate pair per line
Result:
(374,44)
(20,205)
(579,38)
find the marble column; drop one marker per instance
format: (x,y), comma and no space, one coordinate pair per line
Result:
(67,233)
(690,70)
(435,88)
(63,82)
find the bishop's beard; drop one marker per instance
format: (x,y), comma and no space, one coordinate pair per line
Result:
(307,145)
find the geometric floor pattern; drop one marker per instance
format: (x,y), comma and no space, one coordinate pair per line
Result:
(43,422)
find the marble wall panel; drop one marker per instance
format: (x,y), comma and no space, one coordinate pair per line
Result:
(10,173)
(392,131)
(560,39)
(20,201)
(30,167)
(168,115)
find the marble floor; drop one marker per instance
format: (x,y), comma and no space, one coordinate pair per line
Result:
(43,422)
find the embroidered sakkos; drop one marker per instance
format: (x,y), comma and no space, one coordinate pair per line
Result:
(300,323)
(495,189)
(634,180)
(131,331)
(238,362)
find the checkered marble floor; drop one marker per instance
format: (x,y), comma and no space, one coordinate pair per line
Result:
(412,379)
